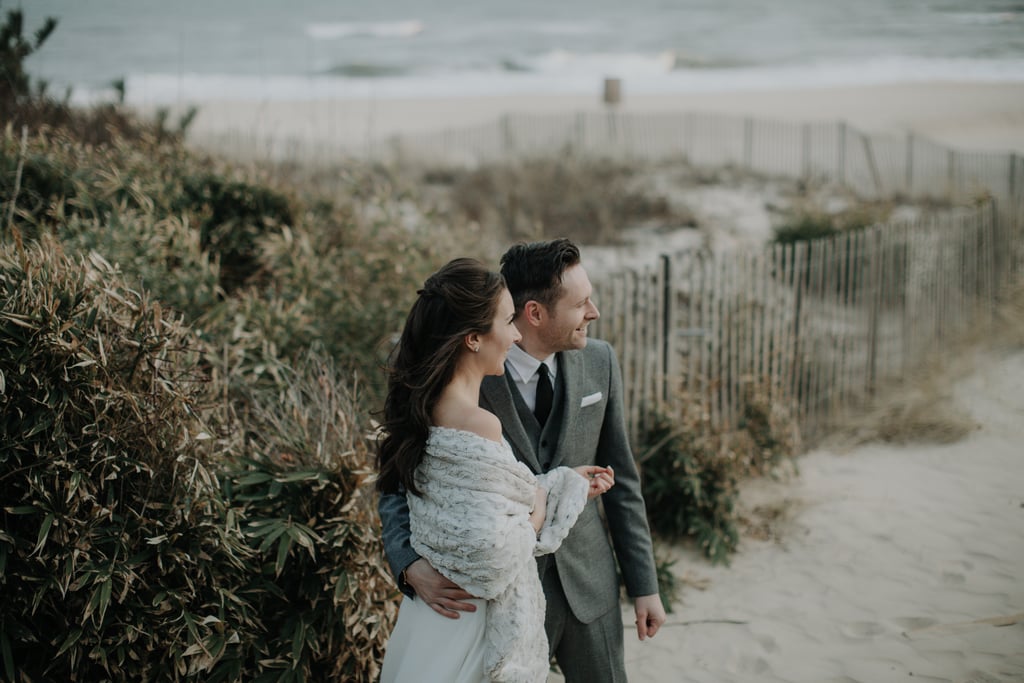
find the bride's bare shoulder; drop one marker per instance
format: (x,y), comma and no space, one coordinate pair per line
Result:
(476,420)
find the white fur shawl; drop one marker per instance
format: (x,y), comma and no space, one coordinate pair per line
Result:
(472,524)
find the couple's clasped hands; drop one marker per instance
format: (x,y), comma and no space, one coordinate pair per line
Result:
(601,478)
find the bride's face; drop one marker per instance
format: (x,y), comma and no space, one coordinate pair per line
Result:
(495,344)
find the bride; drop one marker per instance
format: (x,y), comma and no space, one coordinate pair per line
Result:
(476,514)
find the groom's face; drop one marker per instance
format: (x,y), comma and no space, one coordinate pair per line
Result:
(567,320)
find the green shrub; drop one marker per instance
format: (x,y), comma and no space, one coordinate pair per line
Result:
(804,229)
(163,521)
(691,471)
(768,434)
(161,256)
(325,601)
(232,216)
(690,488)
(43,183)
(116,561)
(345,278)
(62,177)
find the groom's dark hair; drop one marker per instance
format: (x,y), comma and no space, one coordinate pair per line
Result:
(533,271)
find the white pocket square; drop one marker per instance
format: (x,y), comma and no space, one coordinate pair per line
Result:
(590,400)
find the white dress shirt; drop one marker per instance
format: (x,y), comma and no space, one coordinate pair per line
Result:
(524,367)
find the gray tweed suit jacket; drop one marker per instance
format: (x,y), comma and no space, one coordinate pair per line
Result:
(586,427)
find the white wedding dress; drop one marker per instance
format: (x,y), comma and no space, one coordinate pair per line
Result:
(473,524)
(430,648)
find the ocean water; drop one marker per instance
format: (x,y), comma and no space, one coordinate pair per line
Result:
(180,51)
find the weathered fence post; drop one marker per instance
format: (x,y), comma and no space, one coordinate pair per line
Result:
(874,306)
(667,326)
(910,164)
(872,166)
(748,142)
(806,156)
(841,150)
(506,135)
(579,132)
(951,179)
(1012,177)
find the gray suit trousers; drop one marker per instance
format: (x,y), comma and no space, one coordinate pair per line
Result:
(586,653)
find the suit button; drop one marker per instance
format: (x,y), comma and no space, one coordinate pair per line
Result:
(544,443)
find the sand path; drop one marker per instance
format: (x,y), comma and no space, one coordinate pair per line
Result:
(893,564)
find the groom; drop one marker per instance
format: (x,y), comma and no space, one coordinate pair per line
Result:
(560,403)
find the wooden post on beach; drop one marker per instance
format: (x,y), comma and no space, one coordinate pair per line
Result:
(612,91)
(612,98)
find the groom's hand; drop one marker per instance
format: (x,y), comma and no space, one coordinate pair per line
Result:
(444,596)
(650,615)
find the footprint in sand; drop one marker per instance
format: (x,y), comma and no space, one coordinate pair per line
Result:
(863,629)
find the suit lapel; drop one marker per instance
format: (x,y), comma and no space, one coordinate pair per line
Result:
(497,392)
(570,367)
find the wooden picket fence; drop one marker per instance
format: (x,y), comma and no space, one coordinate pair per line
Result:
(818,325)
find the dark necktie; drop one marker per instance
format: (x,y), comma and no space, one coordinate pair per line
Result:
(544,395)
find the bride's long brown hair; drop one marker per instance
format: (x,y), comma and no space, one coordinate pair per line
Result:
(459,299)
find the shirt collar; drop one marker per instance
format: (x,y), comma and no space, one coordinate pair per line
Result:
(525,365)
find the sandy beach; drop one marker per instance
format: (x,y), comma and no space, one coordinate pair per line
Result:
(982,116)
(887,564)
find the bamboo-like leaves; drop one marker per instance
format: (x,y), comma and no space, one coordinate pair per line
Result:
(211,497)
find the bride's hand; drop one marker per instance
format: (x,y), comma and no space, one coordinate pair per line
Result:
(601,478)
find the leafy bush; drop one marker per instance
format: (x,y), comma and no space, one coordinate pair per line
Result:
(232,216)
(690,488)
(161,256)
(804,229)
(325,601)
(159,525)
(691,471)
(115,558)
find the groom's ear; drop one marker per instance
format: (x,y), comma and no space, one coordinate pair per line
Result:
(534,313)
